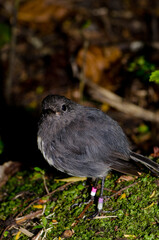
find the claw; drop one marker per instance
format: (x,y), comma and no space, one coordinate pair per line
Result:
(93,215)
(81,203)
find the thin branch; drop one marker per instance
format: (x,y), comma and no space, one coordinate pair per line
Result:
(102,217)
(32,215)
(103,95)
(49,194)
(121,190)
(81,214)
(45,185)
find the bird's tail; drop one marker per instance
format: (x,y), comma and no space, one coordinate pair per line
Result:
(153,166)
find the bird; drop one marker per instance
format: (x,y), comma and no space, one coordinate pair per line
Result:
(85,142)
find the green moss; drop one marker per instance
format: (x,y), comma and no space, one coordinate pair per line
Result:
(137,212)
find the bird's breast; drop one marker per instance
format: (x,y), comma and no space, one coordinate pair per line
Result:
(41,147)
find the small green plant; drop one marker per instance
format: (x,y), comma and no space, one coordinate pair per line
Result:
(143,128)
(154,77)
(39,171)
(44,221)
(141,67)
(5,233)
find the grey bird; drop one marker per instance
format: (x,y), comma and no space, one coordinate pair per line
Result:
(84,141)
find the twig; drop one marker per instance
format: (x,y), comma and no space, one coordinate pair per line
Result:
(38,235)
(121,190)
(26,232)
(49,194)
(103,95)
(101,217)
(28,216)
(82,214)
(46,188)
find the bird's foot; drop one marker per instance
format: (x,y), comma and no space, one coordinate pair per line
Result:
(100,209)
(82,203)
(93,193)
(95,214)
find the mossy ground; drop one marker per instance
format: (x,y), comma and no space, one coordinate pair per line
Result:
(136,208)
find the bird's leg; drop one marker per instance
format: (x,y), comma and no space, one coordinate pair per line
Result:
(91,199)
(100,201)
(94,190)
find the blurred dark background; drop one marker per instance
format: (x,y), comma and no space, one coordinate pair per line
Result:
(49,46)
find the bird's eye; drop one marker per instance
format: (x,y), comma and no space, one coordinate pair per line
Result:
(63,107)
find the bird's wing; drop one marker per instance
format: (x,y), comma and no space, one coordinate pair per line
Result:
(95,136)
(91,146)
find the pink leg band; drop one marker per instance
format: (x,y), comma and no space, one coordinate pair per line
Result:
(93,192)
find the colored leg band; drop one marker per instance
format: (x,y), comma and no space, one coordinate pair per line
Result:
(100,204)
(93,192)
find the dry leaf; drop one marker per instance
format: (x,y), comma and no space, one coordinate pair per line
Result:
(40,11)
(42,201)
(123,196)
(125,178)
(105,107)
(26,232)
(71,179)
(149,206)
(129,236)
(153,194)
(38,206)
(95,60)
(54,221)
(17,235)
